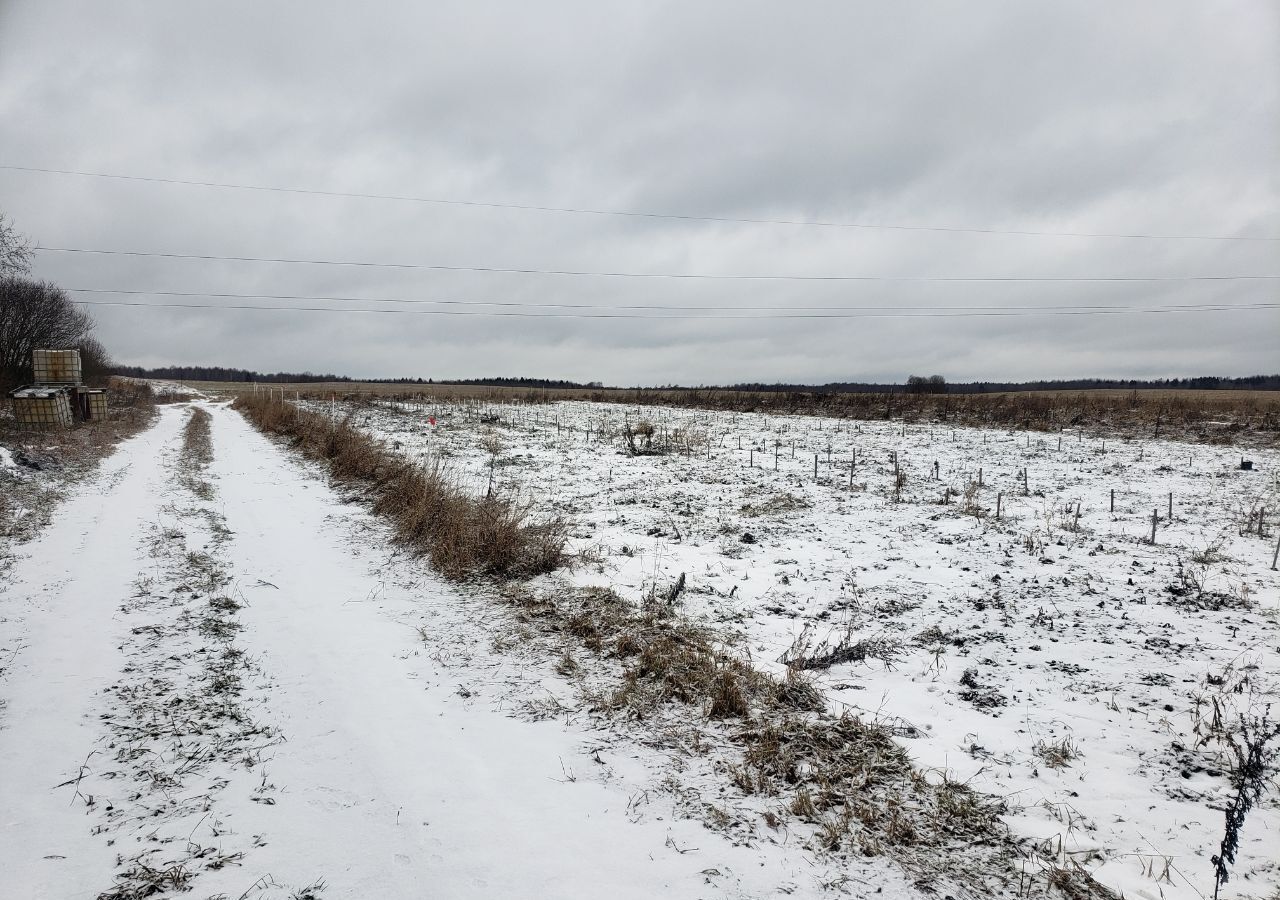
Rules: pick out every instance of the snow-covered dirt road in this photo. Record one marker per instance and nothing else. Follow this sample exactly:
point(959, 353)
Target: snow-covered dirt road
point(221, 678)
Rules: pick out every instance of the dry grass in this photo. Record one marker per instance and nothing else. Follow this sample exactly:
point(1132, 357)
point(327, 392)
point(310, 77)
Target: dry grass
point(197, 442)
point(1057, 754)
point(463, 536)
point(197, 452)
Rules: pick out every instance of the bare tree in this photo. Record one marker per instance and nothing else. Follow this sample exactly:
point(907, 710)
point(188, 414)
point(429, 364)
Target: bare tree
point(15, 249)
point(37, 315)
point(932, 384)
point(95, 363)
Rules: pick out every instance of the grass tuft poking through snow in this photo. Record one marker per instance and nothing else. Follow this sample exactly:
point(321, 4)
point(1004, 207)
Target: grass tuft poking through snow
point(464, 536)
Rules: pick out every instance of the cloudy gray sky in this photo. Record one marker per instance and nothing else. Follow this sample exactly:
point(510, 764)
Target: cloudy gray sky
point(1150, 118)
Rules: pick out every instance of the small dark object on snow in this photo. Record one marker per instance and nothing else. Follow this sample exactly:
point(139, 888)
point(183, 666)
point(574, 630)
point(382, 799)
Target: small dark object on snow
point(1246, 465)
point(747, 538)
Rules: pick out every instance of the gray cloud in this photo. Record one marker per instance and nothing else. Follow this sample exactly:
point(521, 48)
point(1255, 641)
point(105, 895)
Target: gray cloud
point(1152, 117)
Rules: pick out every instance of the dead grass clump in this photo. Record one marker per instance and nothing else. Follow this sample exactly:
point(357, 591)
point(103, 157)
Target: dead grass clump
point(774, 506)
point(838, 649)
point(798, 692)
point(463, 535)
point(852, 780)
point(144, 881)
point(638, 439)
point(1057, 754)
point(681, 665)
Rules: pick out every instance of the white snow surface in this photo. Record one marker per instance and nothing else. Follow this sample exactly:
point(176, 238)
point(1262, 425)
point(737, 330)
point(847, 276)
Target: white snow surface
point(370, 749)
point(1064, 620)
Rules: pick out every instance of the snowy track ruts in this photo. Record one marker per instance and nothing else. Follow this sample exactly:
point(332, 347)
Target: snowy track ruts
point(181, 731)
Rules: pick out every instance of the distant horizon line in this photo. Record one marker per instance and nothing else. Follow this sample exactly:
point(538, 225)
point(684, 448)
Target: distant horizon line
point(232, 375)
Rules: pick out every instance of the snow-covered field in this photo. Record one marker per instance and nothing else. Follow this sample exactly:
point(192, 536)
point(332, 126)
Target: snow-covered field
point(221, 675)
point(1051, 655)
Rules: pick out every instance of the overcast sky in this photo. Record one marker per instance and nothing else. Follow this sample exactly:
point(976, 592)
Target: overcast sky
point(1153, 118)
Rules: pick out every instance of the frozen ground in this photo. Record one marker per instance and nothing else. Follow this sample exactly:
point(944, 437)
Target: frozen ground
point(1052, 656)
point(222, 678)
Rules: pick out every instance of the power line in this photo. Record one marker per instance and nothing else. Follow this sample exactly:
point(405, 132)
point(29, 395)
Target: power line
point(950, 229)
point(664, 316)
point(626, 306)
point(984, 279)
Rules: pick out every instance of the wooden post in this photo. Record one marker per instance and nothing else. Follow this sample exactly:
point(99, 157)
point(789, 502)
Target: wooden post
point(1171, 506)
point(935, 470)
point(751, 458)
point(1275, 556)
point(979, 476)
point(850, 474)
point(1113, 499)
point(815, 467)
point(775, 456)
point(1155, 517)
point(739, 442)
point(999, 498)
point(1059, 442)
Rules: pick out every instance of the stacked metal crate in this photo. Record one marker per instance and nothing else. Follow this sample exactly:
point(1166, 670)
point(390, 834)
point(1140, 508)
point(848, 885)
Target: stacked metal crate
point(58, 397)
point(56, 367)
point(42, 408)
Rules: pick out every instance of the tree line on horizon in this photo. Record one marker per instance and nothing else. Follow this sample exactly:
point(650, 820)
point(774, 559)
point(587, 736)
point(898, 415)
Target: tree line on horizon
point(933, 384)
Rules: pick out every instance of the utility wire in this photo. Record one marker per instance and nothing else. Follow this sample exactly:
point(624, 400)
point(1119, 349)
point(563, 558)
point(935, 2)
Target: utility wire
point(952, 229)
point(678, 275)
point(644, 306)
point(581, 315)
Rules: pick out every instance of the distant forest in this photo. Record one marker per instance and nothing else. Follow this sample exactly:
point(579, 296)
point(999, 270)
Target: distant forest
point(938, 385)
